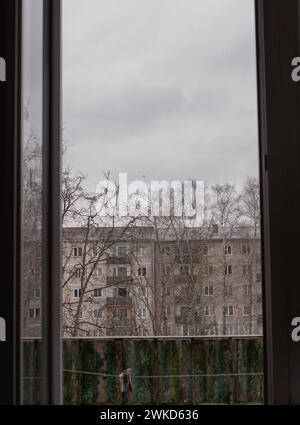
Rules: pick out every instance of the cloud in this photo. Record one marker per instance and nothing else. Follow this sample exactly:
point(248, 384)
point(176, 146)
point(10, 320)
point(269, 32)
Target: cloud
point(162, 88)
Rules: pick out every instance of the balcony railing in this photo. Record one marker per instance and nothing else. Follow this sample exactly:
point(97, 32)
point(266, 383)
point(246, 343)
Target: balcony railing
point(115, 280)
point(119, 301)
point(117, 259)
point(187, 258)
point(118, 322)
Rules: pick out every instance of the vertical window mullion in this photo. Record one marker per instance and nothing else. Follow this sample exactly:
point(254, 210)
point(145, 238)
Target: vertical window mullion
point(51, 290)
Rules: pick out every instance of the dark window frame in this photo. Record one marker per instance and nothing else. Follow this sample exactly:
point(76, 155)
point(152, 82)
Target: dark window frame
point(52, 240)
point(279, 99)
point(10, 171)
point(278, 26)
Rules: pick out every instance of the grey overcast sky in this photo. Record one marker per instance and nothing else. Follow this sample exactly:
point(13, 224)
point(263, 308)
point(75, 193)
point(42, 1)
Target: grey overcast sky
point(164, 89)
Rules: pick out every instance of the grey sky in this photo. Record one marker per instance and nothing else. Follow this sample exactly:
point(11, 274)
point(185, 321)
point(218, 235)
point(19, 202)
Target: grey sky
point(161, 88)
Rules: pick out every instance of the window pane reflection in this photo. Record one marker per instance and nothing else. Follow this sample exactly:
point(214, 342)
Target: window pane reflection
point(32, 197)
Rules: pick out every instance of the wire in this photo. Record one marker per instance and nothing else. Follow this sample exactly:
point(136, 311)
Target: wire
point(108, 375)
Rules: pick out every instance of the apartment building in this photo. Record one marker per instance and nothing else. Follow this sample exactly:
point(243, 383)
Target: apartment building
point(108, 282)
point(209, 283)
point(145, 281)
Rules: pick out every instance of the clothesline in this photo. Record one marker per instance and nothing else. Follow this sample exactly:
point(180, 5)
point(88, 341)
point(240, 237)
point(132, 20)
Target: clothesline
point(108, 375)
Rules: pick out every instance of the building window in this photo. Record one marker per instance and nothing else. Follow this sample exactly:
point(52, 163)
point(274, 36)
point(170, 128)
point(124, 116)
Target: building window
point(229, 330)
point(258, 277)
point(77, 272)
point(246, 249)
point(247, 310)
point(228, 291)
point(34, 313)
point(208, 250)
point(208, 290)
point(120, 312)
point(208, 270)
point(142, 331)
point(77, 251)
point(228, 270)
point(120, 250)
point(186, 291)
point(246, 269)
point(96, 251)
point(141, 291)
point(122, 271)
point(119, 271)
point(247, 329)
point(98, 332)
point(184, 270)
point(98, 272)
point(228, 310)
point(179, 330)
point(227, 250)
point(246, 290)
point(165, 250)
point(142, 313)
point(167, 310)
point(141, 251)
point(165, 291)
point(208, 310)
point(166, 270)
point(77, 293)
point(97, 313)
point(80, 314)
point(211, 330)
point(168, 330)
point(120, 292)
point(142, 271)
point(97, 293)
point(35, 293)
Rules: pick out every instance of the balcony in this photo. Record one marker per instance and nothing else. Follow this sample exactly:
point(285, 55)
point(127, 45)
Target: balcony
point(115, 280)
point(119, 301)
point(182, 319)
point(117, 259)
point(115, 323)
point(187, 258)
point(185, 278)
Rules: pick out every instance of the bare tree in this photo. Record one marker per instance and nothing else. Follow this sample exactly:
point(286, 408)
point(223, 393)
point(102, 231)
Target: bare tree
point(87, 247)
point(250, 208)
point(225, 214)
point(31, 225)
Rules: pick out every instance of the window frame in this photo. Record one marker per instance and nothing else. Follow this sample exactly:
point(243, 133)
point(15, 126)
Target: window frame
point(274, 54)
point(96, 290)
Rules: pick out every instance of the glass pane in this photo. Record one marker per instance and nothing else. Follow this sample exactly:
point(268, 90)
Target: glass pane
point(161, 205)
point(32, 72)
